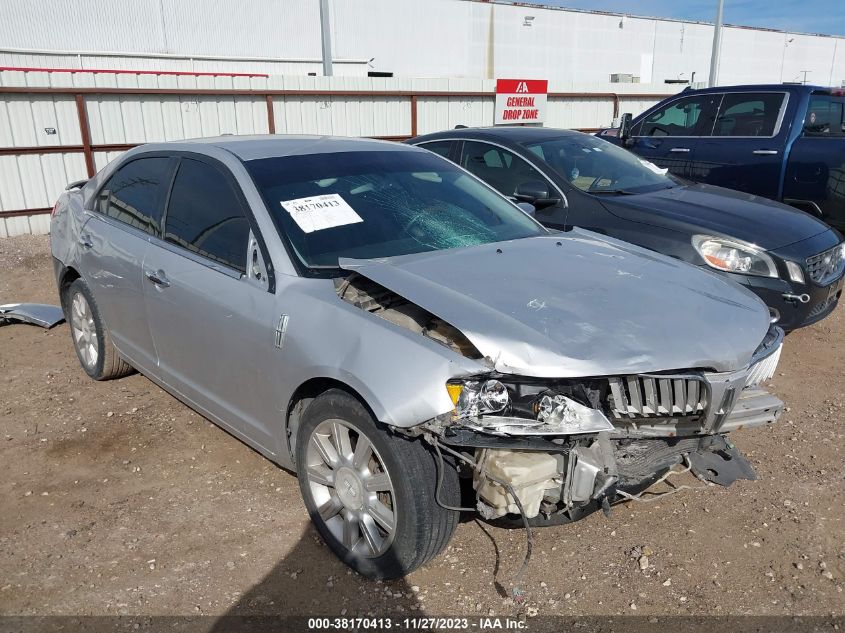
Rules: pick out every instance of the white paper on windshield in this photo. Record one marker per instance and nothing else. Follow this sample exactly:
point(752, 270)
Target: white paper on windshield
point(654, 168)
point(318, 213)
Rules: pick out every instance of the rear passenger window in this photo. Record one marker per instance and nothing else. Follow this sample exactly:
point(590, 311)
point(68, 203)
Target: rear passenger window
point(134, 194)
point(753, 114)
point(205, 216)
point(825, 116)
point(680, 118)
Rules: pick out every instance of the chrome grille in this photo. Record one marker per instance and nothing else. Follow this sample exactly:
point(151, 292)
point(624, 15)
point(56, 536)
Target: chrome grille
point(763, 370)
point(654, 396)
point(825, 267)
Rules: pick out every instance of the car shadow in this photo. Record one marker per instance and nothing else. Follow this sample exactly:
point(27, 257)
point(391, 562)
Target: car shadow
point(311, 582)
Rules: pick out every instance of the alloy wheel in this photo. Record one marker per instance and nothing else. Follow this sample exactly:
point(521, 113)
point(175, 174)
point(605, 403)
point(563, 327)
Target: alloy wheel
point(351, 488)
point(84, 331)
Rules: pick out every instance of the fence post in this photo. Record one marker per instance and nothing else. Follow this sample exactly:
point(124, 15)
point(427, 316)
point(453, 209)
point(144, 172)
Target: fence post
point(271, 117)
point(413, 115)
point(85, 133)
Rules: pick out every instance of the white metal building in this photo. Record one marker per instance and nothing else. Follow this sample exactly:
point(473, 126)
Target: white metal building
point(409, 38)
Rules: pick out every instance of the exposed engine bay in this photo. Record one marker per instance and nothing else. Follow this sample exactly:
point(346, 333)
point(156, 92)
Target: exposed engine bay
point(545, 447)
point(565, 445)
point(594, 473)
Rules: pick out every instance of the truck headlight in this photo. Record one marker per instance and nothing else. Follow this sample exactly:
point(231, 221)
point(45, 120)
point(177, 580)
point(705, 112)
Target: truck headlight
point(734, 256)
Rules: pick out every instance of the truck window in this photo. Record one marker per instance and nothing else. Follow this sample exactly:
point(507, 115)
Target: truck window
point(679, 118)
point(748, 114)
point(825, 116)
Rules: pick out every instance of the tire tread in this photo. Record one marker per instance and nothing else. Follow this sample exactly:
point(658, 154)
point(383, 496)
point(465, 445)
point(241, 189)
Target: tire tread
point(112, 365)
point(433, 525)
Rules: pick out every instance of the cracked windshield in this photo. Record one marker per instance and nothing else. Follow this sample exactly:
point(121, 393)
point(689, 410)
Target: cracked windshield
point(381, 204)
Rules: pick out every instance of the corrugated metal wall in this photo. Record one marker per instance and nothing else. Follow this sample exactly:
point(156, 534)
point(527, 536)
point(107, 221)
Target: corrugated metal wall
point(410, 38)
point(33, 180)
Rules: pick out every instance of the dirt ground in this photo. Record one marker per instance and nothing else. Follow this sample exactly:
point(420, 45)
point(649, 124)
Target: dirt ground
point(117, 499)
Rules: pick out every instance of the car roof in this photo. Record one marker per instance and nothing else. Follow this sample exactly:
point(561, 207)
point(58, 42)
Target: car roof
point(259, 146)
point(758, 88)
point(512, 133)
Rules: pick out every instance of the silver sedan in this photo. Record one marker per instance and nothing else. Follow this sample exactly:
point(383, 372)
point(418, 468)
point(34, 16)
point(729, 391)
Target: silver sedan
point(376, 319)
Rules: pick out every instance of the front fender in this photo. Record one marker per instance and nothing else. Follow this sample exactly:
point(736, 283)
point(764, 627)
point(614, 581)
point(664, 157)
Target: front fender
point(400, 374)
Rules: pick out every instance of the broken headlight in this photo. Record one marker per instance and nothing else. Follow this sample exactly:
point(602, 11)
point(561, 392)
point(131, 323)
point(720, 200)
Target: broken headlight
point(524, 409)
point(478, 397)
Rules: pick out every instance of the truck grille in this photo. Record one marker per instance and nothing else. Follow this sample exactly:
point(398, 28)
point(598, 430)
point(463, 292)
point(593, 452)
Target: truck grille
point(657, 396)
point(827, 266)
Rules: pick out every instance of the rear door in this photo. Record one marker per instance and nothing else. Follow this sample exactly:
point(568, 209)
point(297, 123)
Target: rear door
point(744, 148)
point(815, 173)
point(668, 137)
point(212, 318)
point(113, 244)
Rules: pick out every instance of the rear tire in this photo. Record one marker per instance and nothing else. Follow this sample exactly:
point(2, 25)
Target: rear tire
point(370, 492)
point(90, 336)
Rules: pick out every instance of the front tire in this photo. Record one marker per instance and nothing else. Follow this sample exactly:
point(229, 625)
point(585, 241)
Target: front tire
point(91, 340)
point(370, 492)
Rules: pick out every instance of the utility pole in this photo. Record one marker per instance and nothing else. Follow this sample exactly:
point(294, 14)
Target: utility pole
point(717, 45)
point(326, 32)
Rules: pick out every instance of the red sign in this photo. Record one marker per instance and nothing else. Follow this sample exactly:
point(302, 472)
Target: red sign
point(521, 101)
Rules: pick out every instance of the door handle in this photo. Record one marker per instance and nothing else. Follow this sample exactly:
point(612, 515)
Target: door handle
point(683, 150)
point(85, 241)
point(765, 152)
point(158, 278)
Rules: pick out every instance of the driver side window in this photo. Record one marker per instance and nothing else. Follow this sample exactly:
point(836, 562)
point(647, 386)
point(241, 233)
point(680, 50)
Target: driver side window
point(204, 216)
point(680, 118)
point(501, 169)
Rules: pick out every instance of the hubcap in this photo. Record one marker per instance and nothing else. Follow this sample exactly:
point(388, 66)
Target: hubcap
point(84, 330)
point(351, 488)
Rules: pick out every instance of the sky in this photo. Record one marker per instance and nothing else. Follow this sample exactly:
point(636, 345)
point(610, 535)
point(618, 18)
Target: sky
point(805, 16)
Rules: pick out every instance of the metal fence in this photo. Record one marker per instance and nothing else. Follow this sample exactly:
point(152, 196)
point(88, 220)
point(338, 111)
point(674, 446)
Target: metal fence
point(61, 126)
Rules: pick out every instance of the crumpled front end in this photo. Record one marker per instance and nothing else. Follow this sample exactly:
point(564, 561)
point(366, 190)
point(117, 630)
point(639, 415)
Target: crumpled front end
point(563, 445)
point(588, 409)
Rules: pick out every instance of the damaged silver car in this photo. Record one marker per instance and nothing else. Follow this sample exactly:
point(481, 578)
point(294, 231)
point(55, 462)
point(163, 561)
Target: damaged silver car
point(380, 321)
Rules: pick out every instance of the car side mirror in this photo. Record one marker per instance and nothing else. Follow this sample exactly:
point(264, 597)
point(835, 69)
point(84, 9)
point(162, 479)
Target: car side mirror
point(101, 200)
point(535, 193)
point(625, 126)
point(527, 208)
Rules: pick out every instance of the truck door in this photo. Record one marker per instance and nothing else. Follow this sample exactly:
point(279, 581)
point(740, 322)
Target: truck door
point(669, 135)
point(815, 171)
point(744, 149)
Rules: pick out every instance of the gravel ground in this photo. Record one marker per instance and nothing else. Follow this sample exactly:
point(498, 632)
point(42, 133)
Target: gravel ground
point(118, 499)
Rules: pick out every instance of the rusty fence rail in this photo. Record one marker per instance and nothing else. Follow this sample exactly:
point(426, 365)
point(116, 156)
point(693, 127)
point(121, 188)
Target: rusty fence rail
point(89, 148)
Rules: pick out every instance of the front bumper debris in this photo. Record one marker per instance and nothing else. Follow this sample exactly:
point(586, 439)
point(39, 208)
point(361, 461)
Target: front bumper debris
point(651, 424)
point(717, 460)
point(44, 315)
point(554, 475)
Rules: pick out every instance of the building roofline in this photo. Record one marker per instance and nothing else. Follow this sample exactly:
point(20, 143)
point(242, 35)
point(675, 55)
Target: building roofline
point(538, 5)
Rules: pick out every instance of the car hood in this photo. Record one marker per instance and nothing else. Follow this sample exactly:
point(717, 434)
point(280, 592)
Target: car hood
point(700, 208)
point(579, 304)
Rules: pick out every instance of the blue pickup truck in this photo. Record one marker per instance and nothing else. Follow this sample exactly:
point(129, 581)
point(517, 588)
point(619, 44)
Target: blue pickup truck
point(780, 141)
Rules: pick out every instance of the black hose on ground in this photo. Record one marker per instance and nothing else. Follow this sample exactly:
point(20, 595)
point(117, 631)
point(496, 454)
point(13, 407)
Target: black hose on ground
point(517, 592)
point(440, 467)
